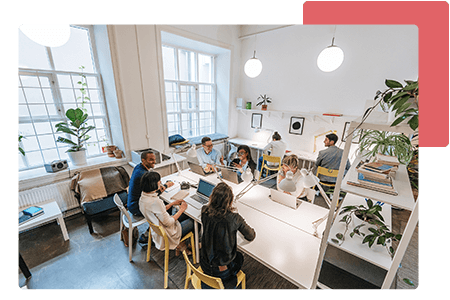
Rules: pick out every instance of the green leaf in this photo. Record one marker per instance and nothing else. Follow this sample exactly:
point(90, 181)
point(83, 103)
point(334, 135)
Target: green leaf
point(369, 203)
point(391, 250)
point(393, 84)
point(402, 108)
point(381, 240)
point(372, 240)
point(400, 101)
point(411, 86)
point(65, 141)
point(398, 237)
point(22, 151)
point(408, 281)
point(335, 241)
point(398, 121)
point(414, 122)
point(373, 230)
point(387, 97)
point(352, 234)
point(340, 236)
point(367, 238)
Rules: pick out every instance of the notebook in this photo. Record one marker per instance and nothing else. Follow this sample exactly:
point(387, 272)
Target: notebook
point(285, 199)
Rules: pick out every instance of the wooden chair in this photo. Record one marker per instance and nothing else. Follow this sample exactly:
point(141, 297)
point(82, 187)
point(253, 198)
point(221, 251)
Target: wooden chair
point(127, 221)
point(327, 172)
point(196, 277)
point(271, 159)
point(159, 230)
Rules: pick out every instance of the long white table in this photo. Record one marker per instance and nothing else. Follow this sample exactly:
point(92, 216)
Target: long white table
point(284, 236)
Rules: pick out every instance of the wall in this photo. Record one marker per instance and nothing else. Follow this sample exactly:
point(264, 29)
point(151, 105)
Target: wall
point(291, 77)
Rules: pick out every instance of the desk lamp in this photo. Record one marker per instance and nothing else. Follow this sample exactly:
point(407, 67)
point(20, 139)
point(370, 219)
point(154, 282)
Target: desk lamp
point(191, 153)
point(288, 184)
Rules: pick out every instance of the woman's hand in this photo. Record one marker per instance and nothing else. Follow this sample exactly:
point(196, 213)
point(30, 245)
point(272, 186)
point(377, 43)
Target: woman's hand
point(183, 205)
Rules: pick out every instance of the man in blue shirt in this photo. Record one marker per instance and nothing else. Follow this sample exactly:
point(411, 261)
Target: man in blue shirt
point(148, 160)
point(207, 156)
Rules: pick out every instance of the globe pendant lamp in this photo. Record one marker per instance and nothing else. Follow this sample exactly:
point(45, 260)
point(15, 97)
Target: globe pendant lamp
point(49, 35)
point(253, 66)
point(330, 58)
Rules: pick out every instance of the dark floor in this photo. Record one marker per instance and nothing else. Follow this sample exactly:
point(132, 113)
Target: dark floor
point(100, 261)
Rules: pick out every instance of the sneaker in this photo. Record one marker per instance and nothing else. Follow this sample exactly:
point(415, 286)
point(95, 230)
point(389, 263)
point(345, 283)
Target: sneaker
point(143, 240)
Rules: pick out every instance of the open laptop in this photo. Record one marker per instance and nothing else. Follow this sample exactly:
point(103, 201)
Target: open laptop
point(201, 197)
point(284, 198)
point(197, 169)
point(231, 175)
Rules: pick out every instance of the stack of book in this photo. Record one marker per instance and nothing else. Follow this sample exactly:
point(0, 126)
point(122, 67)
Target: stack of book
point(376, 176)
point(30, 213)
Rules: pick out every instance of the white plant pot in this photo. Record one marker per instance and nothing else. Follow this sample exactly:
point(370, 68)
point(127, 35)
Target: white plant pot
point(78, 158)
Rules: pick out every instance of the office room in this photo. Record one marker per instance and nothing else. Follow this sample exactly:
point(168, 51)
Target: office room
point(164, 88)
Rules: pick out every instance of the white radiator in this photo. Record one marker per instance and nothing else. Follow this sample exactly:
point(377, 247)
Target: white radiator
point(59, 192)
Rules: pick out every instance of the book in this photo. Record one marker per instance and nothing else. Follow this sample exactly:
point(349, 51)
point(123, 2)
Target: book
point(377, 183)
point(373, 174)
point(372, 177)
point(23, 217)
point(33, 211)
point(379, 167)
point(180, 195)
point(381, 190)
point(387, 159)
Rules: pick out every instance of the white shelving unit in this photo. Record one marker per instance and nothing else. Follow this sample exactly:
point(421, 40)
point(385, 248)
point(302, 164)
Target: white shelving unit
point(377, 255)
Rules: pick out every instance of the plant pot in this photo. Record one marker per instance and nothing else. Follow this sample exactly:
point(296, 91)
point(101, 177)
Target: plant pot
point(110, 149)
point(264, 107)
point(118, 153)
point(78, 158)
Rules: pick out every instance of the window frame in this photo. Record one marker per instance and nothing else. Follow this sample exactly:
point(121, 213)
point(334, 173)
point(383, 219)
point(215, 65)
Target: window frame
point(59, 104)
point(178, 83)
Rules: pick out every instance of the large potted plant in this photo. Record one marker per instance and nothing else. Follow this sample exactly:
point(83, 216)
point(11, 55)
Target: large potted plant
point(78, 128)
point(374, 141)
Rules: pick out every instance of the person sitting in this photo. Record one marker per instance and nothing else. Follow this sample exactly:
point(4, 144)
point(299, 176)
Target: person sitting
point(219, 256)
point(277, 148)
point(244, 160)
point(291, 163)
point(148, 161)
point(207, 156)
point(154, 210)
point(330, 158)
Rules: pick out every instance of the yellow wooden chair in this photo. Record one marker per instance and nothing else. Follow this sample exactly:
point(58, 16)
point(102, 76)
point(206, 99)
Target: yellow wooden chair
point(196, 276)
point(327, 172)
point(271, 159)
point(161, 232)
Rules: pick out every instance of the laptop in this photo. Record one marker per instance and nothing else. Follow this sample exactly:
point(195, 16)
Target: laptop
point(197, 169)
point(201, 197)
point(231, 175)
point(285, 199)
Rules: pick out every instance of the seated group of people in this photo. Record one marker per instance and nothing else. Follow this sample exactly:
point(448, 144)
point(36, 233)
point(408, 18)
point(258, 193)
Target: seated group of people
point(220, 221)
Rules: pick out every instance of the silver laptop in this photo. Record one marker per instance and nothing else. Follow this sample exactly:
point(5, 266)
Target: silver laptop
point(197, 169)
point(231, 175)
point(285, 199)
point(201, 197)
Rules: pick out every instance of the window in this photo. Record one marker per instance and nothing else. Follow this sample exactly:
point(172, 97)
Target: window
point(190, 91)
point(48, 86)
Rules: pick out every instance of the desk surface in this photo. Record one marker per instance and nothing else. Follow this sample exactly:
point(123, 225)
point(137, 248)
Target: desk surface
point(51, 212)
point(252, 144)
point(284, 240)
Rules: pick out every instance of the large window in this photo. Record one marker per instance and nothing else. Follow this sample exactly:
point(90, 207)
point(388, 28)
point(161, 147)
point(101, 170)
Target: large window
point(49, 84)
point(190, 91)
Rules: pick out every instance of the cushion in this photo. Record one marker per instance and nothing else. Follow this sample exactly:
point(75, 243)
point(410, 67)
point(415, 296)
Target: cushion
point(176, 138)
point(103, 204)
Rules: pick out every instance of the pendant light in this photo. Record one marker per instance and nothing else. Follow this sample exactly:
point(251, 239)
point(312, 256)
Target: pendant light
point(49, 35)
point(331, 57)
point(253, 66)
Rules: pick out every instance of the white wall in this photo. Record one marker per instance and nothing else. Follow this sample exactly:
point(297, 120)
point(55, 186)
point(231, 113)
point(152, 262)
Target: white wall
point(291, 77)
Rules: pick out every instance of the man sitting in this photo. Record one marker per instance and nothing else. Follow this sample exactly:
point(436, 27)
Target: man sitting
point(330, 158)
point(207, 156)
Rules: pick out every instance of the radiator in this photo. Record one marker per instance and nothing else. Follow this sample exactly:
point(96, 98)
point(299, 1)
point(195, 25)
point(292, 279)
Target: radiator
point(59, 192)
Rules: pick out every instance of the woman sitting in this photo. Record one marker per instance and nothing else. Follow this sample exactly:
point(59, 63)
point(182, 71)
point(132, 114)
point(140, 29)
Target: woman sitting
point(244, 160)
point(291, 163)
point(219, 256)
point(154, 210)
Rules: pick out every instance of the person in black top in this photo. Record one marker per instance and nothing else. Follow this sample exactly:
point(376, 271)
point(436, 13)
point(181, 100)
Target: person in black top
point(244, 160)
point(219, 256)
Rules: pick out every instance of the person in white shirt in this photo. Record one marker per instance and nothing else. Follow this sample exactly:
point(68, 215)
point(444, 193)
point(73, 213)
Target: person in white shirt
point(291, 163)
point(155, 211)
point(277, 148)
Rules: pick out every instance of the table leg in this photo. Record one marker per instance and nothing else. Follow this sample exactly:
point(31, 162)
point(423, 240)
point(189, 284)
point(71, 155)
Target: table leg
point(63, 228)
point(197, 250)
point(24, 268)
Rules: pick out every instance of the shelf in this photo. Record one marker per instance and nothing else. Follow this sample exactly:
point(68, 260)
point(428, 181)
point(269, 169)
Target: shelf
point(377, 254)
point(383, 126)
point(404, 199)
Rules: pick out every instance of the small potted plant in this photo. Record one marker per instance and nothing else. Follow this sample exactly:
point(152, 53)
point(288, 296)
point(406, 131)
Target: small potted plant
point(264, 100)
point(369, 215)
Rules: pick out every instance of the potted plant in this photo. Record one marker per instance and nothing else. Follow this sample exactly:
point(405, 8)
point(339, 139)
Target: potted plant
point(401, 100)
point(369, 215)
point(374, 141)
point(265, 99)
point(20, 148)
point(79, 128)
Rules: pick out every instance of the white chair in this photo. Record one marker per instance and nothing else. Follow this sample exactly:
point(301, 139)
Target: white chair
point(127, 220)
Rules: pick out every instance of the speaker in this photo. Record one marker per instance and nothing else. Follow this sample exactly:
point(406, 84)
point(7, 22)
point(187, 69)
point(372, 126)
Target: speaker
point(56, 165)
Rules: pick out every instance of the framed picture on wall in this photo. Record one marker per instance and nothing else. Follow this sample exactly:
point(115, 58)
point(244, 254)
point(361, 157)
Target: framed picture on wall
point(356, 135)
point(257, 120)
point(296, 126)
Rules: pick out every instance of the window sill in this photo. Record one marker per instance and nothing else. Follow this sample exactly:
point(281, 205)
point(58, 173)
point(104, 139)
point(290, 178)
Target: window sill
point(39, 177)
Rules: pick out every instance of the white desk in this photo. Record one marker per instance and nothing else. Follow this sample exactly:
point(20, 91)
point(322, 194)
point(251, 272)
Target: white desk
point(284, 240)
point(51, 212)
point(305, 156)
